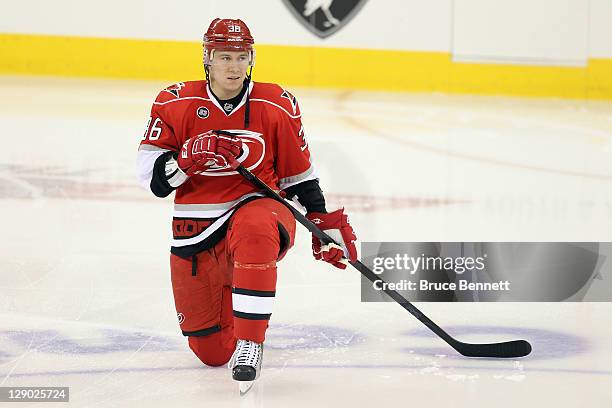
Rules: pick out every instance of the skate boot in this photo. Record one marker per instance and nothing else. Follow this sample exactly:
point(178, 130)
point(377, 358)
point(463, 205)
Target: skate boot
point(246, 360)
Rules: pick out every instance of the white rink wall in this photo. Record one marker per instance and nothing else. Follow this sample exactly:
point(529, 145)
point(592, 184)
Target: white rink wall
point(531, 31)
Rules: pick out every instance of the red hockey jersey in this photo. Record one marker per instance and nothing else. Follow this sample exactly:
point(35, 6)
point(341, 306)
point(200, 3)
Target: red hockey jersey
point(274, 149)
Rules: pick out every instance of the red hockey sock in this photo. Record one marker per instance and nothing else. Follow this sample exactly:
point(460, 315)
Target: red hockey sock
point(253, 292)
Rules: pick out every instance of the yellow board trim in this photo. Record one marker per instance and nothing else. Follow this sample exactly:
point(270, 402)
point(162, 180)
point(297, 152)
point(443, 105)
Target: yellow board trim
point(382, 70)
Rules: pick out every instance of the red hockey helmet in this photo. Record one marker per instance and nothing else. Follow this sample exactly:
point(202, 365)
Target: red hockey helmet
point(229, 35)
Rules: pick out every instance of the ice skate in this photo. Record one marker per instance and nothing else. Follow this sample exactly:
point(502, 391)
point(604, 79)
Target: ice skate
point(246, 363)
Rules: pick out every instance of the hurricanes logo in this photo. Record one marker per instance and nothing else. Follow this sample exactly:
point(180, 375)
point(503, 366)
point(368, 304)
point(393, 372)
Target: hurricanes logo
point(174, 89)
point(286, 94)
point(253, 151)
point(181, 317)
point(202, 112)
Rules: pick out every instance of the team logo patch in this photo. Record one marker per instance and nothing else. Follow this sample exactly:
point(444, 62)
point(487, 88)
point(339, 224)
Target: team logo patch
point(324, 17)
point(228, 107)
point(253, 151)
point(286, 94)
point(175, 89)
point(181, 318)
point(202, 112)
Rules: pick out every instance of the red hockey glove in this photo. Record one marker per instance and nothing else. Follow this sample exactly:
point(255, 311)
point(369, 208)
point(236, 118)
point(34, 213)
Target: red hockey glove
point(209, 149)
point(336, 225)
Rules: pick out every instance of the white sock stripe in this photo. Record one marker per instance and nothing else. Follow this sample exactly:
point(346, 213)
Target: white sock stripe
point(252, 304)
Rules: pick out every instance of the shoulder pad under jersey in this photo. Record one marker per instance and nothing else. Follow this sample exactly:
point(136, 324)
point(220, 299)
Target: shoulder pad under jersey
point(182, 90)
point(276, 95)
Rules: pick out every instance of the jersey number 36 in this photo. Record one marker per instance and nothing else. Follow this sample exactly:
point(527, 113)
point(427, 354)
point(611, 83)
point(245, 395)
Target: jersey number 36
point(152, 132)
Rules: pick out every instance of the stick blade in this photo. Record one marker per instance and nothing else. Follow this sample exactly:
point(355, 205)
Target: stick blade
point(507, 349)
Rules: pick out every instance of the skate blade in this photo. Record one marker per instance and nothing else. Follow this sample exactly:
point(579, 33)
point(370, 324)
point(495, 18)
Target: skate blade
point(244, 387)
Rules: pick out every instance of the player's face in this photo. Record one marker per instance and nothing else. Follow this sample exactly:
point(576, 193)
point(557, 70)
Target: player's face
point(227, 72)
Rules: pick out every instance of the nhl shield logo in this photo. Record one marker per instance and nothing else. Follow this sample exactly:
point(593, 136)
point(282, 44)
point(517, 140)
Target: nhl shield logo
point(324, 17)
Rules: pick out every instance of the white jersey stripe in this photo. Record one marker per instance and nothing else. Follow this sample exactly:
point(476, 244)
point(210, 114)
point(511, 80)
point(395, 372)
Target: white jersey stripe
point(209, 210)
point(309, 174)
point(151, 148)
point(223, 210)
point(214, 101)
point(278, 106)
point(181, 99)
point(204, 234)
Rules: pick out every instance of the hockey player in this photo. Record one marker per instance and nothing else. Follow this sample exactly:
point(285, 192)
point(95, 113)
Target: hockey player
point(228, 237)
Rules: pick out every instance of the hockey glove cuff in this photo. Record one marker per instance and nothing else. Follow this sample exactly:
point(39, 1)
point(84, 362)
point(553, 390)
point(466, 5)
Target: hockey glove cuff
point(337, 226)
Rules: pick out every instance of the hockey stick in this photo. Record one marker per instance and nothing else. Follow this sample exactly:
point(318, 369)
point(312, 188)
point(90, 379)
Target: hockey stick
point(507, 349)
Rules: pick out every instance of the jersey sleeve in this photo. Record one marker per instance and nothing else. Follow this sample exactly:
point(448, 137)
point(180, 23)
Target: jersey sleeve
point(156, 161)
point(293, 161)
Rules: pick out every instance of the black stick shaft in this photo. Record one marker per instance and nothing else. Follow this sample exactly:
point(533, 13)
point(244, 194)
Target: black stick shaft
point(517, 348)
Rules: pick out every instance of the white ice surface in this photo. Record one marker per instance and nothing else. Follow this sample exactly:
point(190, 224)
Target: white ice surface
point(85, 298)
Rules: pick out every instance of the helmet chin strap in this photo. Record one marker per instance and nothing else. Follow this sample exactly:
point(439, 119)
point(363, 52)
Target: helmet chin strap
point(247, 108)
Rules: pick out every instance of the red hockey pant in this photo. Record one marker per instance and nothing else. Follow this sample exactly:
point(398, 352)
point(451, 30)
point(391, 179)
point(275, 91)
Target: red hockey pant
point(227, 292)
